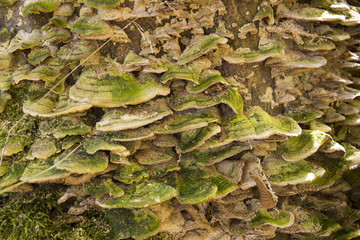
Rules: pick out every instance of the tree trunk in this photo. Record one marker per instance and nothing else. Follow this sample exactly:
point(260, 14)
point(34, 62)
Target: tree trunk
point(169, 120)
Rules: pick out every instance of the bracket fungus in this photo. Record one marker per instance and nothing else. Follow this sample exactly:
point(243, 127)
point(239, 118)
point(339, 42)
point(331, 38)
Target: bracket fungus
point(35, 168)
point(37, 6)
point(200, 47)
point(302, 146)
point(278, 218)
point(134, 116)
point(140, 195)
point(115, 90)
point(81, 162)
point(202, 119)
point(267, 48)
point(42, 148)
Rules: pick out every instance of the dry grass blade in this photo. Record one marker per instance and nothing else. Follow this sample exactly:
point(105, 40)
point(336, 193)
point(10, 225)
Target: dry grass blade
point(267, 198)
point(142, 32)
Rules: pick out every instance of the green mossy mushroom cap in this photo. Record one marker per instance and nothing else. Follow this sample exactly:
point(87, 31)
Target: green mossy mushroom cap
point(37, 6)
point(200, 47)
point(13, 174)
point(214, 155)
point(134, 117)
point(135, 223)
point(100, 187)
point(15, 144)
point(33, 172)
point(302, 146)
point(131, 173)
point(98, 142)
point(140, 195)
point(277, 218)
point(7, 2)
point(272, 48)
point(153, 156)
point(281, 172)
point(192, 139)
point(207, 79)
point(81, 162)
point(42, 149)
point(88, 25)
point(186, 120)
point(196, 192)
point(25, 40)
point(74, 50)
point(115, 90)
point(64, 126)
point(182, 100)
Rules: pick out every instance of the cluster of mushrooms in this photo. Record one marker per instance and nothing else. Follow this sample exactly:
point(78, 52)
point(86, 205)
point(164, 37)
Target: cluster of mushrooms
point(164, 141)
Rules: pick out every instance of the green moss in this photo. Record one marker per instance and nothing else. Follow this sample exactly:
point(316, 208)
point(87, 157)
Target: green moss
point(26, 128)
point(37, 215)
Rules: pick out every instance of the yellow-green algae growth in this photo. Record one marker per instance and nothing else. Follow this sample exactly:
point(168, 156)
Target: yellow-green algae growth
point(180, 119)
